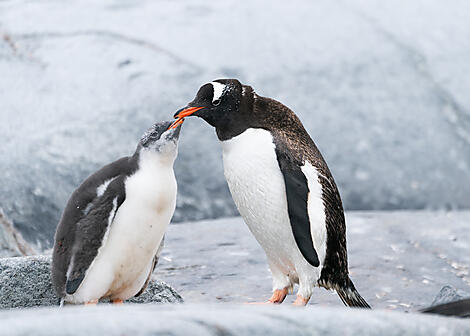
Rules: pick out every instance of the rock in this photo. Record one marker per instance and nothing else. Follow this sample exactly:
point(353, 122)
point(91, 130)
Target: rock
point(223, 319)
point(448, 294)
point(25, 282)
point(158, 291)
point(77, 92)
point(12, 243)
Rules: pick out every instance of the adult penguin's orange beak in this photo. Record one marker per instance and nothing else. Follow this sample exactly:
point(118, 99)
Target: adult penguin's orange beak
point(183, 113)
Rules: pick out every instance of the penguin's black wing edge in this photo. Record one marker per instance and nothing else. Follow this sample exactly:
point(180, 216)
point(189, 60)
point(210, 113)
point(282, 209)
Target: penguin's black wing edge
point(297, 204)
point(91, 232)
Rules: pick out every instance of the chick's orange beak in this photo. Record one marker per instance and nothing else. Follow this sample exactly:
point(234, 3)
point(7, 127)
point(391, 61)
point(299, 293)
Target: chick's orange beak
point(180, 115)
point(176, 123)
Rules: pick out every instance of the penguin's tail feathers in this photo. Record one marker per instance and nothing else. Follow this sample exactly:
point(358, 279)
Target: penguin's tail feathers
point(347, 293)
point(352, 298)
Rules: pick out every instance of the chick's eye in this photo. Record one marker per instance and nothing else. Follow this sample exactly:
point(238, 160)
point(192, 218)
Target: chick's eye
point(216, 102)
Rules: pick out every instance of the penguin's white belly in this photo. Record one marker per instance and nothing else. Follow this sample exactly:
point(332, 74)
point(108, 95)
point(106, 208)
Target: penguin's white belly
point(125, 259)
point(258, 190)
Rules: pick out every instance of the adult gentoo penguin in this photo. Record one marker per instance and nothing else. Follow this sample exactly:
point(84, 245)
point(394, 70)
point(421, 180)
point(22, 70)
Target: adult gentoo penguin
point(282, 188)
point(107, 241)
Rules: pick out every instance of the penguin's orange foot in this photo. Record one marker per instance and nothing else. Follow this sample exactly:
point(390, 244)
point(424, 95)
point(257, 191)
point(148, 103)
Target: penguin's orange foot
point(279, 295)
point(300, 301)
point(91, 303)
point(277, 298)
point(117, 301)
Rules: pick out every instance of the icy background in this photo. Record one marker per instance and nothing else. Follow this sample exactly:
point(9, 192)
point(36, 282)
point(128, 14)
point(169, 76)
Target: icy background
point(382, 87)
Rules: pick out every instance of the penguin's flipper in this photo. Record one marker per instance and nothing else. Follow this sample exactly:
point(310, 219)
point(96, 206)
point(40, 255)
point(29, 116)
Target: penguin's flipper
point(297, 204)
point(81, 200)
point(91, 233)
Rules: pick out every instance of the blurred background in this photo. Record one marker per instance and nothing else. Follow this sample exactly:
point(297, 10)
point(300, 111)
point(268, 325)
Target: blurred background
point(382, 87)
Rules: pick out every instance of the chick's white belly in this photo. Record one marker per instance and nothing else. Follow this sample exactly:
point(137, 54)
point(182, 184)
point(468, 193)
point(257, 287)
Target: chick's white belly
point(258, 190)
point(124, 261)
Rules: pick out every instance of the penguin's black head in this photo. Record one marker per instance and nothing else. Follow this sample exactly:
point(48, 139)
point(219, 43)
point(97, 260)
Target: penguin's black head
point(162, 137)
point(217, 102)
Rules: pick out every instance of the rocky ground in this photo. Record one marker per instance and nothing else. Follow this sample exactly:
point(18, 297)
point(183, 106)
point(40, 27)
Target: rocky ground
point(26, 282)
point(223, 320)
point(398, 260)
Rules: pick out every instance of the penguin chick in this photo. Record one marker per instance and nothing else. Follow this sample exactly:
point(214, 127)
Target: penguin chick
point(107, 241)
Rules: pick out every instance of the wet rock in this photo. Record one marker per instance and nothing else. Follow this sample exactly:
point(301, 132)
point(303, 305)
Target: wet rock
point(25, 282)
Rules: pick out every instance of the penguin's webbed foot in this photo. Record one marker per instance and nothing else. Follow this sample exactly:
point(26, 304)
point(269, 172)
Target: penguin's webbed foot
point(117, 301)
point(279, 295)
point(277, 298)
point(300, 301)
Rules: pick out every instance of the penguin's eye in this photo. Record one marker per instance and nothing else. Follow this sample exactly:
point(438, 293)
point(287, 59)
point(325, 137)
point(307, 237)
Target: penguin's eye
point(216, 102)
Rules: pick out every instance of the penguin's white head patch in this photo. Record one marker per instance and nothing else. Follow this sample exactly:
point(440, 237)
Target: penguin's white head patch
point(219, 89)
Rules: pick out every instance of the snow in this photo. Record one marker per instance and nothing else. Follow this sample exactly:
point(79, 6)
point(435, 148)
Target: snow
point(381, 87)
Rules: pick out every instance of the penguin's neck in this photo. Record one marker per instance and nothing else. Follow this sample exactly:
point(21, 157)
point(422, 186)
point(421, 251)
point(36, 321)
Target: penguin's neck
point(152, 160)
point(154, 181)
point(231, 131)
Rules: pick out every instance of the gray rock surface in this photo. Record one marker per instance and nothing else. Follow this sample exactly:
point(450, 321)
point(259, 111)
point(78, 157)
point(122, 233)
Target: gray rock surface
point(449, 294)
point(12, 243)
point(381, 87)
point(397, 260)
point(220, 320)
point(25, 282)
